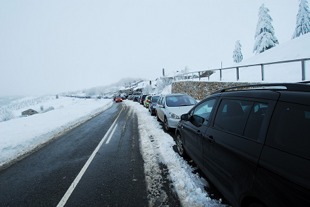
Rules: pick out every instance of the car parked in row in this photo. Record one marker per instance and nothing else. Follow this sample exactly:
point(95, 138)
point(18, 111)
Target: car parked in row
point(153, 104)
point(171, 107)
point(147, 101)
point(253, 143)
point(118, 99)
point(136, 98)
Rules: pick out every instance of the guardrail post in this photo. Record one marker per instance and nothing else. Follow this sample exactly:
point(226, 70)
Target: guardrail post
point(303, 70)
point(220, 74)
point(237, 71)
point(262, 71)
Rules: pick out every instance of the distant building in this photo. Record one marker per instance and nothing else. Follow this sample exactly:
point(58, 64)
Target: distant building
point(29, 112)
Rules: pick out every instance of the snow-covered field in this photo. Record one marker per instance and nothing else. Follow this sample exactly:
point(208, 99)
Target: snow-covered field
point(21, 135)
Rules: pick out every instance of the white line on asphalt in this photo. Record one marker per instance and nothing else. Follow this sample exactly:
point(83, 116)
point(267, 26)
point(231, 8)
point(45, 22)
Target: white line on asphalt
point(111, 134)
point(65, 198)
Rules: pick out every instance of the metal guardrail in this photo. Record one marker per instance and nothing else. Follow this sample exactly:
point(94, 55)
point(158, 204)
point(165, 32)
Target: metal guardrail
point(208, 73)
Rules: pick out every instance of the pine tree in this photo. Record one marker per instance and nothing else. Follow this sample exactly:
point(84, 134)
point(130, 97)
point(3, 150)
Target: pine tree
point(264, 36)
point(237, 54)
point(302, 20)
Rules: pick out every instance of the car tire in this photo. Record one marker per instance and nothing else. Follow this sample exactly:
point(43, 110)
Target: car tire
point(166, 126)
point(180, 147)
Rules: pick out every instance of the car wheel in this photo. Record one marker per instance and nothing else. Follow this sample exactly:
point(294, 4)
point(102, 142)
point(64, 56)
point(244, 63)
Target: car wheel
point(166, 126)
point(180, 147)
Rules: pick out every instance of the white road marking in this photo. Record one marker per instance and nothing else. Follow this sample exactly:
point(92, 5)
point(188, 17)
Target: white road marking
point(65, 198)
point(111, 134)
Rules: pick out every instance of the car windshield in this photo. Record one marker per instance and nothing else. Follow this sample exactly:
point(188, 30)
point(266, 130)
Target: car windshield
point(177, 101)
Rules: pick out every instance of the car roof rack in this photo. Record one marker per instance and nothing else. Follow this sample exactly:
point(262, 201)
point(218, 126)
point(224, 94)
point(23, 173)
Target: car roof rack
point(304, 82)
point(299, 86)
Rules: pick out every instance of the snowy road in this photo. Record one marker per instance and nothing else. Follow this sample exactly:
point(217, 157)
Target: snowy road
point(65, 173)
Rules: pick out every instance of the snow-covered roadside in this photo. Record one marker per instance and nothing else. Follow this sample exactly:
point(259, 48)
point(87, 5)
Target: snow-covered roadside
point(157, 147)
point(23, 135)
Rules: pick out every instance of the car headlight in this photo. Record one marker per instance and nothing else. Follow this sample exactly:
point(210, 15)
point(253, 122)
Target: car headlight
point(174, 116)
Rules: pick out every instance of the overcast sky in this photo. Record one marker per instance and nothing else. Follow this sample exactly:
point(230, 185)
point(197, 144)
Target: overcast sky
point(63, 45)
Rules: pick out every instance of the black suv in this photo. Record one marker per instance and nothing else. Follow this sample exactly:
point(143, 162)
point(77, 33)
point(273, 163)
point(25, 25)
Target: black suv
point(253, 143)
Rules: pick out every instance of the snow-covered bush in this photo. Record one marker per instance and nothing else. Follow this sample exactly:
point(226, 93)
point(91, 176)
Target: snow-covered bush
point(6, 115)
point(49, 109)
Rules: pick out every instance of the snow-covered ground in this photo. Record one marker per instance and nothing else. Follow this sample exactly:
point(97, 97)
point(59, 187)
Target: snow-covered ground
point(21, 135)
point(157, 147)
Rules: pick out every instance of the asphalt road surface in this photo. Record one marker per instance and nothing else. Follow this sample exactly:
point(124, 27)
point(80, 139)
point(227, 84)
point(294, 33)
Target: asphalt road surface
point(96, 164)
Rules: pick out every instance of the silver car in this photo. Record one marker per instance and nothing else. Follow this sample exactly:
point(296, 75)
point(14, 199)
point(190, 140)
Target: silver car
point(171, 107)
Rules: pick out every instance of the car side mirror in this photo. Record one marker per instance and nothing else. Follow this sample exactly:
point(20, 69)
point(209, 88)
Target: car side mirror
point(184, 117)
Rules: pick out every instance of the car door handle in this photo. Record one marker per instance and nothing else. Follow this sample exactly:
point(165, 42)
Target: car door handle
point(210, 138)
point(198, 132)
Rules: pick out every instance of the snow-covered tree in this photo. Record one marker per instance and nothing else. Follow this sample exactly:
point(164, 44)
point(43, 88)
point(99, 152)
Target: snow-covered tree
point(264, 36)
point(302, 20)
point(237, 54)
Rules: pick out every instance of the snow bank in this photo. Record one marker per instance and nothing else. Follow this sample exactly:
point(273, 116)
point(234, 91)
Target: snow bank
point(157, 147)
point(19, 136)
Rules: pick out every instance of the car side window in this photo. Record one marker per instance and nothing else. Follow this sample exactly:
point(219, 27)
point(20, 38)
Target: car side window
point(255, 121)
point(232, 115)
point(204, 109)
point(160, 101)
point(290, 129)
point(163, 101)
